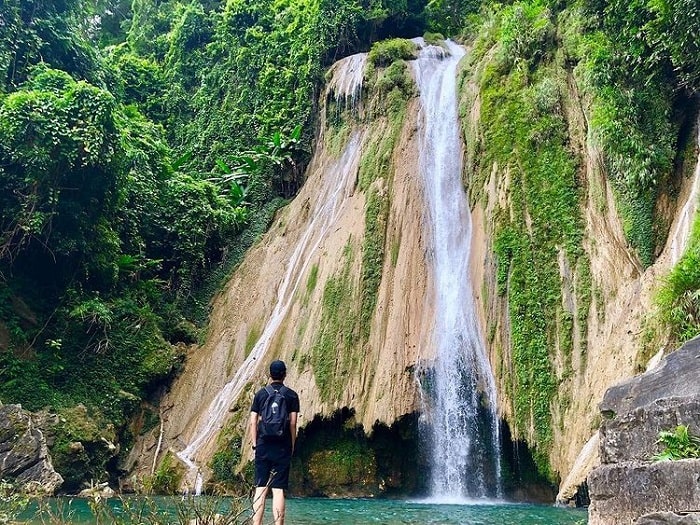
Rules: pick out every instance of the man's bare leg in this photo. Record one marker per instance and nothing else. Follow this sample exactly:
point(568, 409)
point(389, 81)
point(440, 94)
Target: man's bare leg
point(259, 504)
point(278, 506)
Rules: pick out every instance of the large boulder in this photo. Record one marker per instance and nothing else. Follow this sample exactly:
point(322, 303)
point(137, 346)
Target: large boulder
point(24, 455)
point(629, 484)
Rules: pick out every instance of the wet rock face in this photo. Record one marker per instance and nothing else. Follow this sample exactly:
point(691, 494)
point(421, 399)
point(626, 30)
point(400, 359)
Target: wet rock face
point(24, 456)
point(629, 484)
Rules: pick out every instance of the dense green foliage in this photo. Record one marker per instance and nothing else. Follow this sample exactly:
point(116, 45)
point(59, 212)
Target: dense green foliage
point(525, 133)
point(145, 144)
point(96, 227)
point(678, 300)
point(384, 53)
point(225, 461)
point(47, 31)
point(628, 65)
point(12, 503)
point(258, 62)
point(167, 477)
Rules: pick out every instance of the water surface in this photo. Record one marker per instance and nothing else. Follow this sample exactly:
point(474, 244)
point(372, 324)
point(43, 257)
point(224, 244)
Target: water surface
point(394, 512)
point(311, 511)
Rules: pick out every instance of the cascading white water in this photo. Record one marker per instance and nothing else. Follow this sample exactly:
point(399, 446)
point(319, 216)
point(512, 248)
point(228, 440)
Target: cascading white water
point(346, 82)
point(684, 224)
point(464, 432)
point(334, 188)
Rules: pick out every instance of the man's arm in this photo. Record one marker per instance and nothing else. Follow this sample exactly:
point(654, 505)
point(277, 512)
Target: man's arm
point(254, 428)
point(293, 428)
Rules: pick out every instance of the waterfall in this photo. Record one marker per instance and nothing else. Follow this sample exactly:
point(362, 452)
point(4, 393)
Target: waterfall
point(336, 183)
point(684, 224)
point(346, 82)
point(461, 392)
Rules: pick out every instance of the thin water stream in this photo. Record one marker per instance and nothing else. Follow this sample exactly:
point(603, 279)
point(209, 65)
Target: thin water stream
point(462, 394)
point(684, 223)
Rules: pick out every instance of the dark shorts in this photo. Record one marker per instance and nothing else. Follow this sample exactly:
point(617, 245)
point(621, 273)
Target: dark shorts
point(273, 471)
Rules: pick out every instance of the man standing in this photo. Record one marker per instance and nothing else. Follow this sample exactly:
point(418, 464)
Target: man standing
point(273, 429)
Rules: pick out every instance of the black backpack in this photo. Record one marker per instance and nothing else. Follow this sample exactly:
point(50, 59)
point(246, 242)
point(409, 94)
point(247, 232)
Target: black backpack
point(274, 417)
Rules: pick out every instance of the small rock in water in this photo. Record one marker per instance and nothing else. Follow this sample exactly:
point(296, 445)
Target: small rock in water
point(103, 490)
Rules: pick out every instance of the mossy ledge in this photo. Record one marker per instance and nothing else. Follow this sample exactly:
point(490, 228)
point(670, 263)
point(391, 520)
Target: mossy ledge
point(336, 457)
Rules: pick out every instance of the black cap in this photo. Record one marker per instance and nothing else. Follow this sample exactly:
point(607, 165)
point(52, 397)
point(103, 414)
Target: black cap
point(278, 369)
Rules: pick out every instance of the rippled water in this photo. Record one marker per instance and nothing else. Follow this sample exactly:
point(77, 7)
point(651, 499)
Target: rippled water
point(309, 511)
point(391, 512)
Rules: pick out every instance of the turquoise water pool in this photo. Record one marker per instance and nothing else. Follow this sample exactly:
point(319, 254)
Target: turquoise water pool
point(391, 512)
point(310, 511)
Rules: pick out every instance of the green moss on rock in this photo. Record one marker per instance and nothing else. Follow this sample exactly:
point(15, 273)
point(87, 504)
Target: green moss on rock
point(385, 52)
point(522, 131)
point(82, 446)
point(168, 476)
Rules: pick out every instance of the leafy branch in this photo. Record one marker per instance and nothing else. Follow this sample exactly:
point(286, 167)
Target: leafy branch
point(275, 152)
point(678, 444)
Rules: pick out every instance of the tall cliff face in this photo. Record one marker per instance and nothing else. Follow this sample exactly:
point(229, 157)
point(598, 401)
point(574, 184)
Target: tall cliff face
point(566, 310)
point(337, 287)
point(340, 287)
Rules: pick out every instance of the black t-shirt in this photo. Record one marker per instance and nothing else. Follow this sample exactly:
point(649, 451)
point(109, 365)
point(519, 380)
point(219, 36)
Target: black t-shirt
point(284, 445)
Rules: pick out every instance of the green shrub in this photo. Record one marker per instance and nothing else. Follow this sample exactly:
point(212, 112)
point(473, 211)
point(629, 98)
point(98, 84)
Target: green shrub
point(678, 444)
point(225, 463)
point(525, 31)
point(395, 76)
point(385, 52)
point(433, 39)
point(12, 503)
point(168, 476)
point(678, 299)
